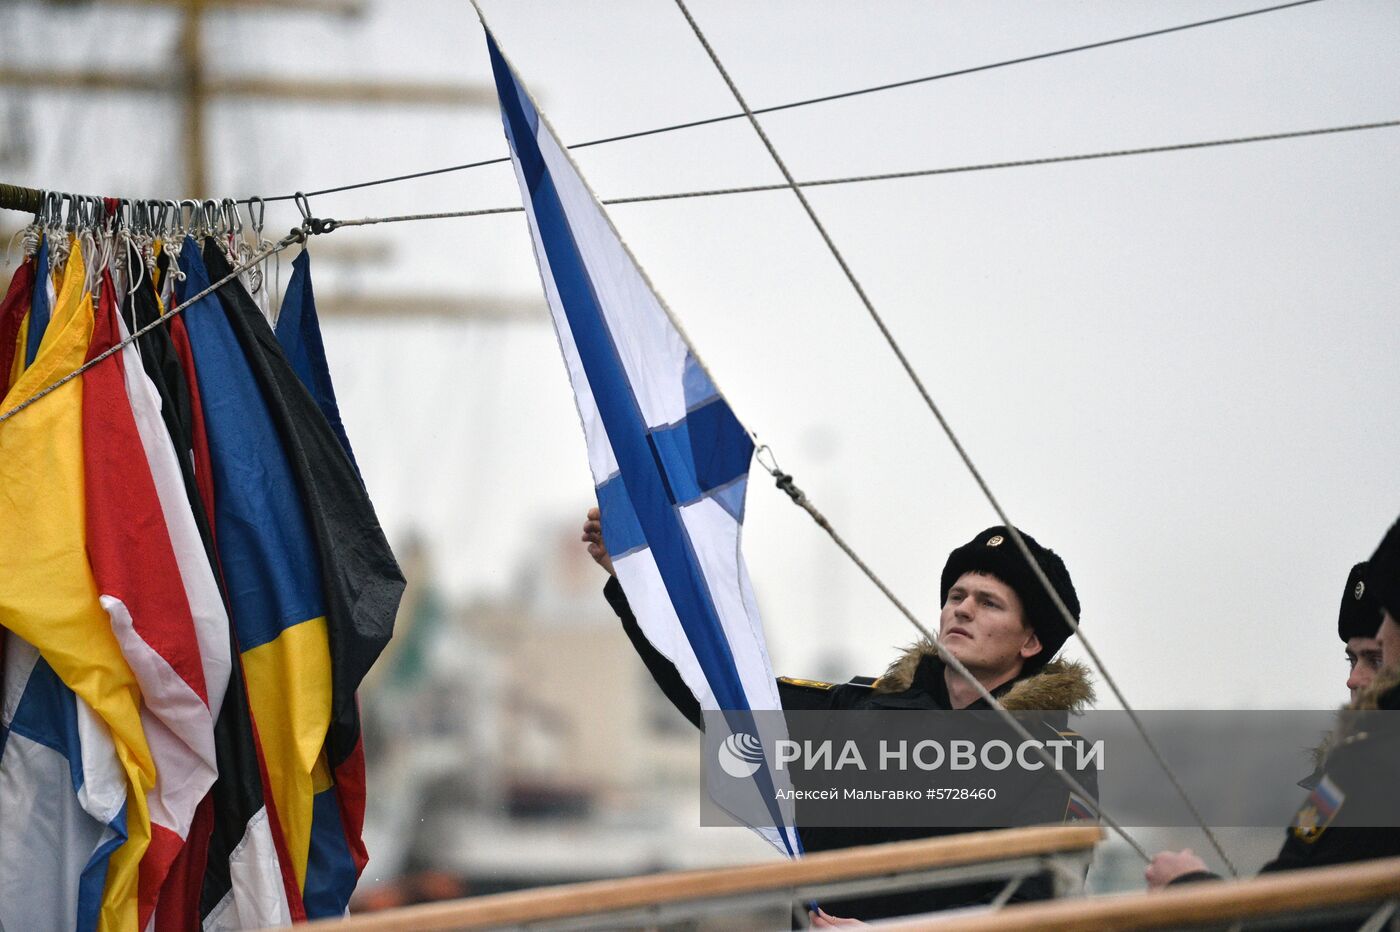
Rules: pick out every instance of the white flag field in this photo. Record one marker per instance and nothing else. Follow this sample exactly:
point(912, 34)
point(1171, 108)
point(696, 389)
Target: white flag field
point(670, 461)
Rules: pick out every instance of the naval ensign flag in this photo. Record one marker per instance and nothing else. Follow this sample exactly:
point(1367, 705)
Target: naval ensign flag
point(669, 459)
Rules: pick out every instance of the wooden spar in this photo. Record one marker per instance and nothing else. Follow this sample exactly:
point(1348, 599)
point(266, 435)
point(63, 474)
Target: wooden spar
point(656, 890)
point(1206, 903)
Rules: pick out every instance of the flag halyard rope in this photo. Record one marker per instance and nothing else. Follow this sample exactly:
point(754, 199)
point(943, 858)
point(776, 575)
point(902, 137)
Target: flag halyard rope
point(894, 176)
point(827, 98)
point(798, 497)
point(297, 235)
point(952, 436)
point(785, 482)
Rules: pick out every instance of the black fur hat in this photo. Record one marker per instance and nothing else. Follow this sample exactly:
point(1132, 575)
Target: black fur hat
point(1360, 614)
point(994, 552)
point(1383, 572)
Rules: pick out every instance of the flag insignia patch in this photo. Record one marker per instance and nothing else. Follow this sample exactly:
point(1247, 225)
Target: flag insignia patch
point(1080, 810)
point(1318, 811)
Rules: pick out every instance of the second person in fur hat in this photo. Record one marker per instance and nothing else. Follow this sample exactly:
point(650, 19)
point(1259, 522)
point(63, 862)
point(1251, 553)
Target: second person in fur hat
point(1361, 769)
point(1358, 623)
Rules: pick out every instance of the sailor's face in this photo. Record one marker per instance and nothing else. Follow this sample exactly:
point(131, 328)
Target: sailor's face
point(984, 625)
point(1389, 636)
point(1365, 659)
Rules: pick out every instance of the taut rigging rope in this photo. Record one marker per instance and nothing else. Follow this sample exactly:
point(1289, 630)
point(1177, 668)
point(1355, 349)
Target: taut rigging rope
point(791, 105)
point(888, 176)
point(296, 236)
point(797, 496)
point(953, 438)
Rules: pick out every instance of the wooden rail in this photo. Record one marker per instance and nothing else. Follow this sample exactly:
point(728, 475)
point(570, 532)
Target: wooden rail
point(631, 893)
point(1287, 893)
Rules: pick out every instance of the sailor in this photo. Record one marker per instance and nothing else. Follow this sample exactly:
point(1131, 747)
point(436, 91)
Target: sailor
point(1357, 624)
point(1352, 812)
point(999, 621)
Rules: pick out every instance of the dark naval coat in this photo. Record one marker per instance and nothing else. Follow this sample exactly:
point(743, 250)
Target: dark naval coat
point(914, 681)
point(1359, 773)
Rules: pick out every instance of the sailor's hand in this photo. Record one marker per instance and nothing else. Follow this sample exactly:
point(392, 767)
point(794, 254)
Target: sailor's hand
point(821, 919)
point(1167, 866)
point(593, 537)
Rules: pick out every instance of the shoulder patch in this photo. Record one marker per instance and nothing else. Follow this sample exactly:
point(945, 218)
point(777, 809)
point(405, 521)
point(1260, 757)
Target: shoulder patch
point(804, 684)
point(1318, 811)
point(1080, 810)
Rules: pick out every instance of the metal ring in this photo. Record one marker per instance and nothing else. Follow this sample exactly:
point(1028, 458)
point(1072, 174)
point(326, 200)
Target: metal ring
point(187, 225)
point(173, 218)
point(256, 220)
point(160, 216)
point(209, 212)
point(87, 211)
point(758, 452)
point(231, 216)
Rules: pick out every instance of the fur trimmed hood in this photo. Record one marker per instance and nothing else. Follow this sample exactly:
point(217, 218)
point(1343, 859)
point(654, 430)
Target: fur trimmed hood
point(1370, 699)
point(1385, 683)
point(1060, 686)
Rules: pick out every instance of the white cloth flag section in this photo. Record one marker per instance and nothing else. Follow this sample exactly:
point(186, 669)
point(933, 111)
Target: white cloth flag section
point(669, 459)
point(62, 798)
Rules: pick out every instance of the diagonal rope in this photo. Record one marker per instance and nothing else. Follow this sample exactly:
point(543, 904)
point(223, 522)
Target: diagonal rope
point(797, 496)
point(296, 236)
point(330, 225)
point(1012, 530)
point(785, 482)
point(886, 176)
point(791, 105)
point(1040, 56)
point(1017, 163)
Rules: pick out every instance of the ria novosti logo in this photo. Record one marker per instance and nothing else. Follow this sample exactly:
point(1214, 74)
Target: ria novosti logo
point(740, 755)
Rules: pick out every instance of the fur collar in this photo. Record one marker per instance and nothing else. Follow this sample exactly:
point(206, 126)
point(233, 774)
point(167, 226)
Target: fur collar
point(1374, 697)
point(1061, 685)
point(1381, 694)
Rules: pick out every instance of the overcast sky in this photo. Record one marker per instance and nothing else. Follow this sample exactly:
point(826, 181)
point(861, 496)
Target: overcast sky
point(1179, 371)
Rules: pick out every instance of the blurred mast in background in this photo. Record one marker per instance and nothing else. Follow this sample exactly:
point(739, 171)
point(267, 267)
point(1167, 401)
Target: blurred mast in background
point(196, 87)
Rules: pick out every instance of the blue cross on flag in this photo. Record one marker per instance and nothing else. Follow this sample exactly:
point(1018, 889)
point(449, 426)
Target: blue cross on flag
point(669, 459)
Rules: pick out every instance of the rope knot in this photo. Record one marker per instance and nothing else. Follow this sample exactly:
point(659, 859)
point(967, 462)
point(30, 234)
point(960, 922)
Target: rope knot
point(314, 226)
point(786, 483)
